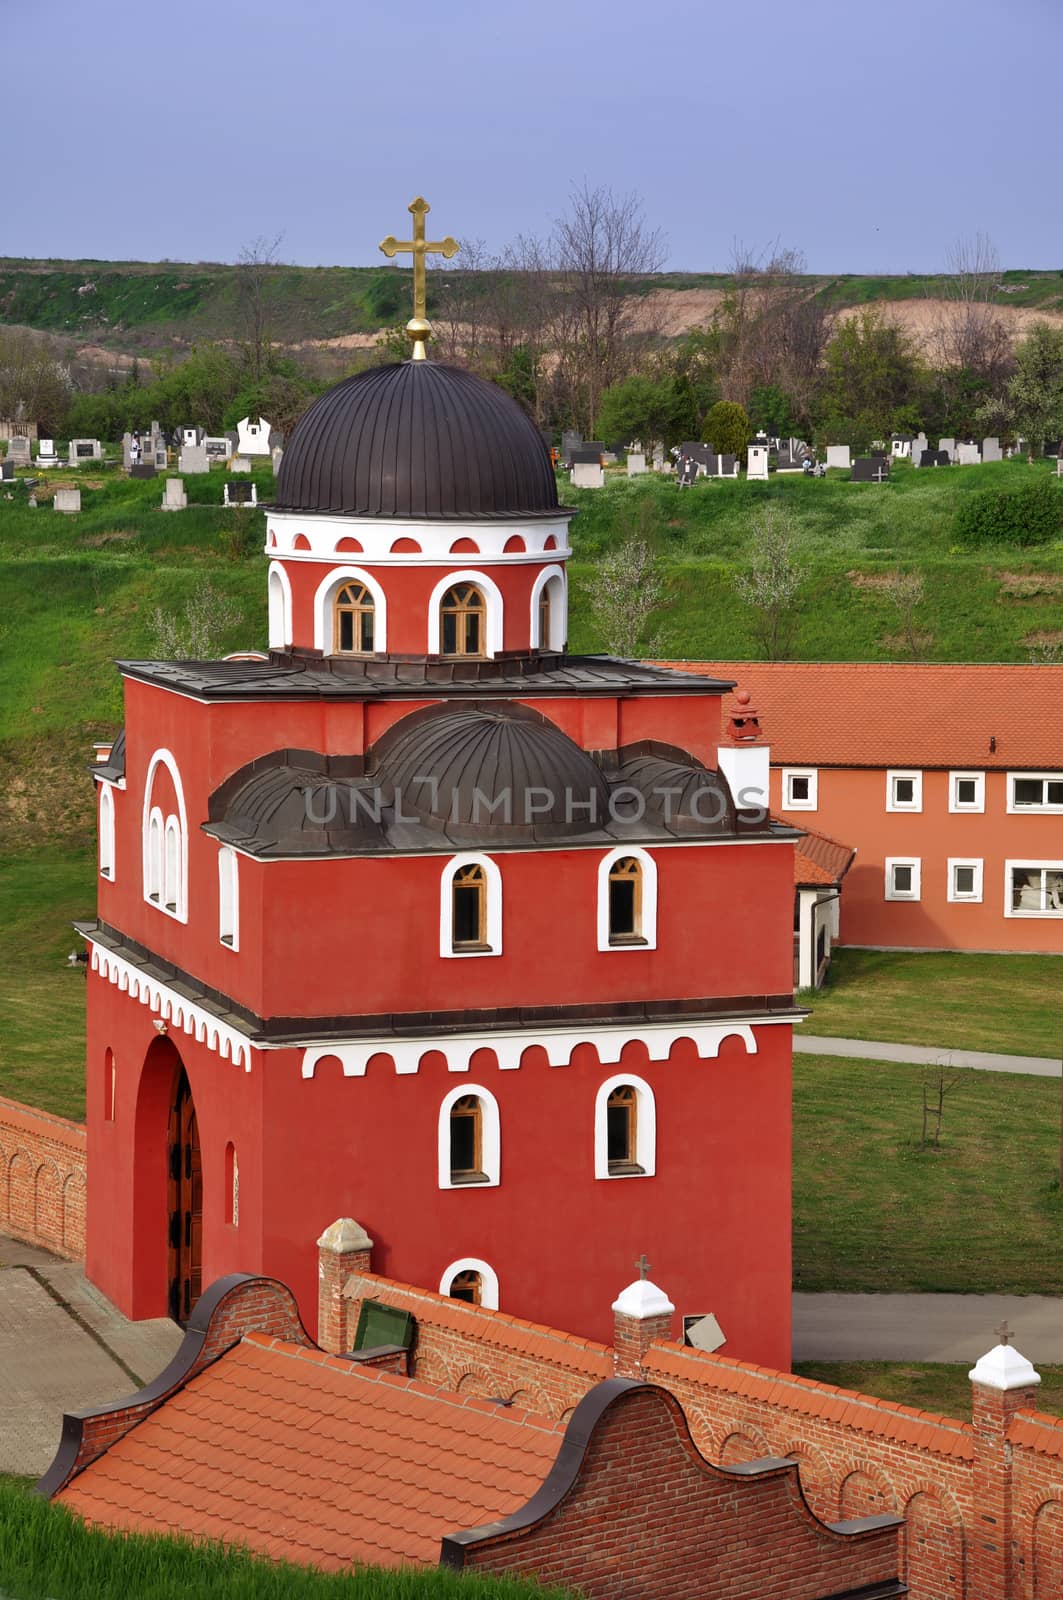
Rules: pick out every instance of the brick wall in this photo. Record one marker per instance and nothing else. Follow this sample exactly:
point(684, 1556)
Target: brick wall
point(42, 1179)
point(647, 1516)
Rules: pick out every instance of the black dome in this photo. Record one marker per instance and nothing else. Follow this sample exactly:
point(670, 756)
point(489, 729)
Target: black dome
point(494, 773)
point(417, 440)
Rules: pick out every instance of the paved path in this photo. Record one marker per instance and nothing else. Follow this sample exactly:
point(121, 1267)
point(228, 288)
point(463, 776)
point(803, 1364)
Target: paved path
point(924, 1327)
point(918, 1055)
point(63, 1346)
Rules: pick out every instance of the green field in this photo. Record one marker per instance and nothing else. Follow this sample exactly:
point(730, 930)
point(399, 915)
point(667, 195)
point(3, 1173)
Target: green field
point(1007, 1003)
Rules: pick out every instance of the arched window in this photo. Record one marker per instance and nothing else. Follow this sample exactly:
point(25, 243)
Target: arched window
point(463, 621)
point(544, 617)
point(625, 1129)
point(469, 1150)
point(153, 885)
point(171, 883)
point(472, 1281)
point(470, 919)
point(228, 898)
point(354, 619)
point(627, 901)
point(110, 1085)
point(232, 1187)
point(106, 829)
point(279, 592)
point(549, 620)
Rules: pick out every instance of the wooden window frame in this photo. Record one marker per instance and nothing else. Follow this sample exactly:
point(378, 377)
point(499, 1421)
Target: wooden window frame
point(617, 875)
point(471, 1279)
point(471, 1106)
point(472, 874)
point(626, 1095)
point(358, 606)
point(461, 610)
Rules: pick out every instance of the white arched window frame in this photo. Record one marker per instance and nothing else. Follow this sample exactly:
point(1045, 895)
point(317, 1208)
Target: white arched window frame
point(279, 589)
point(106, 831)
point(228, 898)
point(325, 601)
point(493, 941)
point(153, 857)
point(645, 1127)
point(493, 609)
point(648, 925)
point(488, 1280)
point(155, 887)
point(552, 579)
point(173, 867)
point(490, 1137)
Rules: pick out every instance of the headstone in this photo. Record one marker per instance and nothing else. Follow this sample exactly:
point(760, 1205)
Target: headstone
point(658, 458)
point(193, 458)
point(967, 454)
point(239, 463)
point(1059, 467)
point(20, 449)
point(949, 445)
point(190, 436)
point(757, 461)
point(838, 456)
point(901, 446)
point(7, 471)
point(143, 469)
point(278, 457)
point(688, 470)
point(571, 440)
point(792, 456)
point(942, 458)
point(253, 436)
point(46, 456)
point(727, 466)
point(636, 463)
point(174, 497)
point(587, 474)
point(219, 448)
point(991, 450)
point(870, 469)
point(84, 450)
point(927, 458)
point(919, 444)
point(68, 500)
point(241, 494)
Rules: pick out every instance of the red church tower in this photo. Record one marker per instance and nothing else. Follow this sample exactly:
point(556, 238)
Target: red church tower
point(426, 922)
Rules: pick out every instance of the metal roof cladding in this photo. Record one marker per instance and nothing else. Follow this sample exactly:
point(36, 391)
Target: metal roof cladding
point(419, 441)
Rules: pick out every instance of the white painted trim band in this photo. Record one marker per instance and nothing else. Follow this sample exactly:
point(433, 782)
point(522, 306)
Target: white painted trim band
point(170, 1006)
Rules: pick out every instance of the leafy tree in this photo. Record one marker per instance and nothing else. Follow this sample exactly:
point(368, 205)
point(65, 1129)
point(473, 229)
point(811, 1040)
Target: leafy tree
point(197, 633)
point(648, 409)
point(519, 377)
point(1027, 516)
point(626, 591)
point(871, 372)
point(726, 428)
point(1032, 402)
point(771, 581)
point(770, 411)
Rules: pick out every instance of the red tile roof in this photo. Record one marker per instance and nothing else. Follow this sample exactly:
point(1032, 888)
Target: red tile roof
point(309, 1458)
point(808, 1398)
point(821, 861)
point(1038, 1431)
point(495, 1328)
point(900, 714)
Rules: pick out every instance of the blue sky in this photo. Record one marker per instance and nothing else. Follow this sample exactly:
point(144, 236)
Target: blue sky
point(868, 136)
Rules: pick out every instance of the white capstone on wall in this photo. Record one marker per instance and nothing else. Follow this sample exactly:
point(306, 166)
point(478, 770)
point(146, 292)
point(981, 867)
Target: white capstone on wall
point(1004, 1368)
point(643, 1299)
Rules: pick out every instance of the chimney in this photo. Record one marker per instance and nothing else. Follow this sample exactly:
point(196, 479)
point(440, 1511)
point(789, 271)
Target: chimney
point(343, 1248)
point(1003, 1382)
point(743, 756)
point(101, 751)
point(642, 1315)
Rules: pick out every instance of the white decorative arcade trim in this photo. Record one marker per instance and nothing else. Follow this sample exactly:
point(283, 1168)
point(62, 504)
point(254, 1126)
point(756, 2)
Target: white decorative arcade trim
point(508, 1048)
point(325, 603)
point(172, 1008)
point(321, 535)
point(492, 594)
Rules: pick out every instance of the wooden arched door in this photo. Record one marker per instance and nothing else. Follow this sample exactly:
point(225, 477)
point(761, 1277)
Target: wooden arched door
point(184, 1203)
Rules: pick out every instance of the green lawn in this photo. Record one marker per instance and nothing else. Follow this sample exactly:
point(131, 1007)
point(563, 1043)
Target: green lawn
point(943, 1388)
point(873, 1212)
point(1007, 1003)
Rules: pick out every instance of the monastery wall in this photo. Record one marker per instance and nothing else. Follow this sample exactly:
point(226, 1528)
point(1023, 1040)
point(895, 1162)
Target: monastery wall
point(42, 1179)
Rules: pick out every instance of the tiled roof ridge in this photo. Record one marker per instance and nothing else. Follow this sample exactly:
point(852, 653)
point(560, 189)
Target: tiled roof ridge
point(359, 1370)
point(870, 666)
point(1037, 1430)
point(928, 1429)
point(584, 1355)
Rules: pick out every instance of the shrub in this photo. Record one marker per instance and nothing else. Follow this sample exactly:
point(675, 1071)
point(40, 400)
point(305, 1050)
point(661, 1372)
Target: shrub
point(1026, 516)
point(727, 428)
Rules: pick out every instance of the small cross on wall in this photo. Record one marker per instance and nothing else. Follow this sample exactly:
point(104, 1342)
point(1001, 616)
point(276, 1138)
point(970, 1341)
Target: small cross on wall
point(1004, 1333)
point(642, 1266)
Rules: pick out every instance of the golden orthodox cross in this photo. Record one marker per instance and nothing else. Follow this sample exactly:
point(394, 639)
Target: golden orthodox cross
point(418, 327)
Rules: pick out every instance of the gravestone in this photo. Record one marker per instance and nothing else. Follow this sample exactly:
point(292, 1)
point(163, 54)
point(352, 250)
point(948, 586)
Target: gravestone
point(636, 463)
point(967, 454)
point(870, 469)
point(571, 440)
point(68, 500)
point(7, 471)
point(727, 466)
point(901, 446)
point(991, 450)
point(587, 475)
point(84, 450)
point(218, 448)
point(241, 494)
point(757, 461)
point(253, 436)
point(1059, 467)
point(143, 469)
point(838, 456)
point(927, 458)
point(949, 445)
point(20, 449)
point(190, 436)
point(688, 470)
point(278, 457)
point(919, 444)
point(193, 458)
point(658, 457)
point(46, 456)
point(942, 458)
point(239, 463)
point(174, 497)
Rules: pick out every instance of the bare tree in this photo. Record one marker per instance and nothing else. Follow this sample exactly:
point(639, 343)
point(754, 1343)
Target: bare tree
point(770, 583)
point(938, 1082)
point(773, 327)
point(255, 283)
point(600, 248)
point(627, 590)
point(197, 633)
point(907, 591)
point(971, 334)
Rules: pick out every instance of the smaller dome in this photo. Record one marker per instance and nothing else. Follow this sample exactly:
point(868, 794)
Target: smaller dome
point(493, 774)
point(682, 796)
point(291, 810)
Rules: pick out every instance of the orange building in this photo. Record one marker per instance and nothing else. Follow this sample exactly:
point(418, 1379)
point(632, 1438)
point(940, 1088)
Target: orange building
point(947, 780)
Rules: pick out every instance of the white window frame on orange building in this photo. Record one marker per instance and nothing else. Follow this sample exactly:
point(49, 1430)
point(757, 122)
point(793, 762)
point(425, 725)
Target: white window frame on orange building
point(957, 896)
point(1044, 807)
point(788, 802)
point(971, 806)
point(1044, 866)
point(916, 891)
point(902, 773)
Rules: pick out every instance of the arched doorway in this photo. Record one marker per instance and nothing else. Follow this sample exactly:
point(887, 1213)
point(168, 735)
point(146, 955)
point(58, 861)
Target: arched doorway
point(184, 1203)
